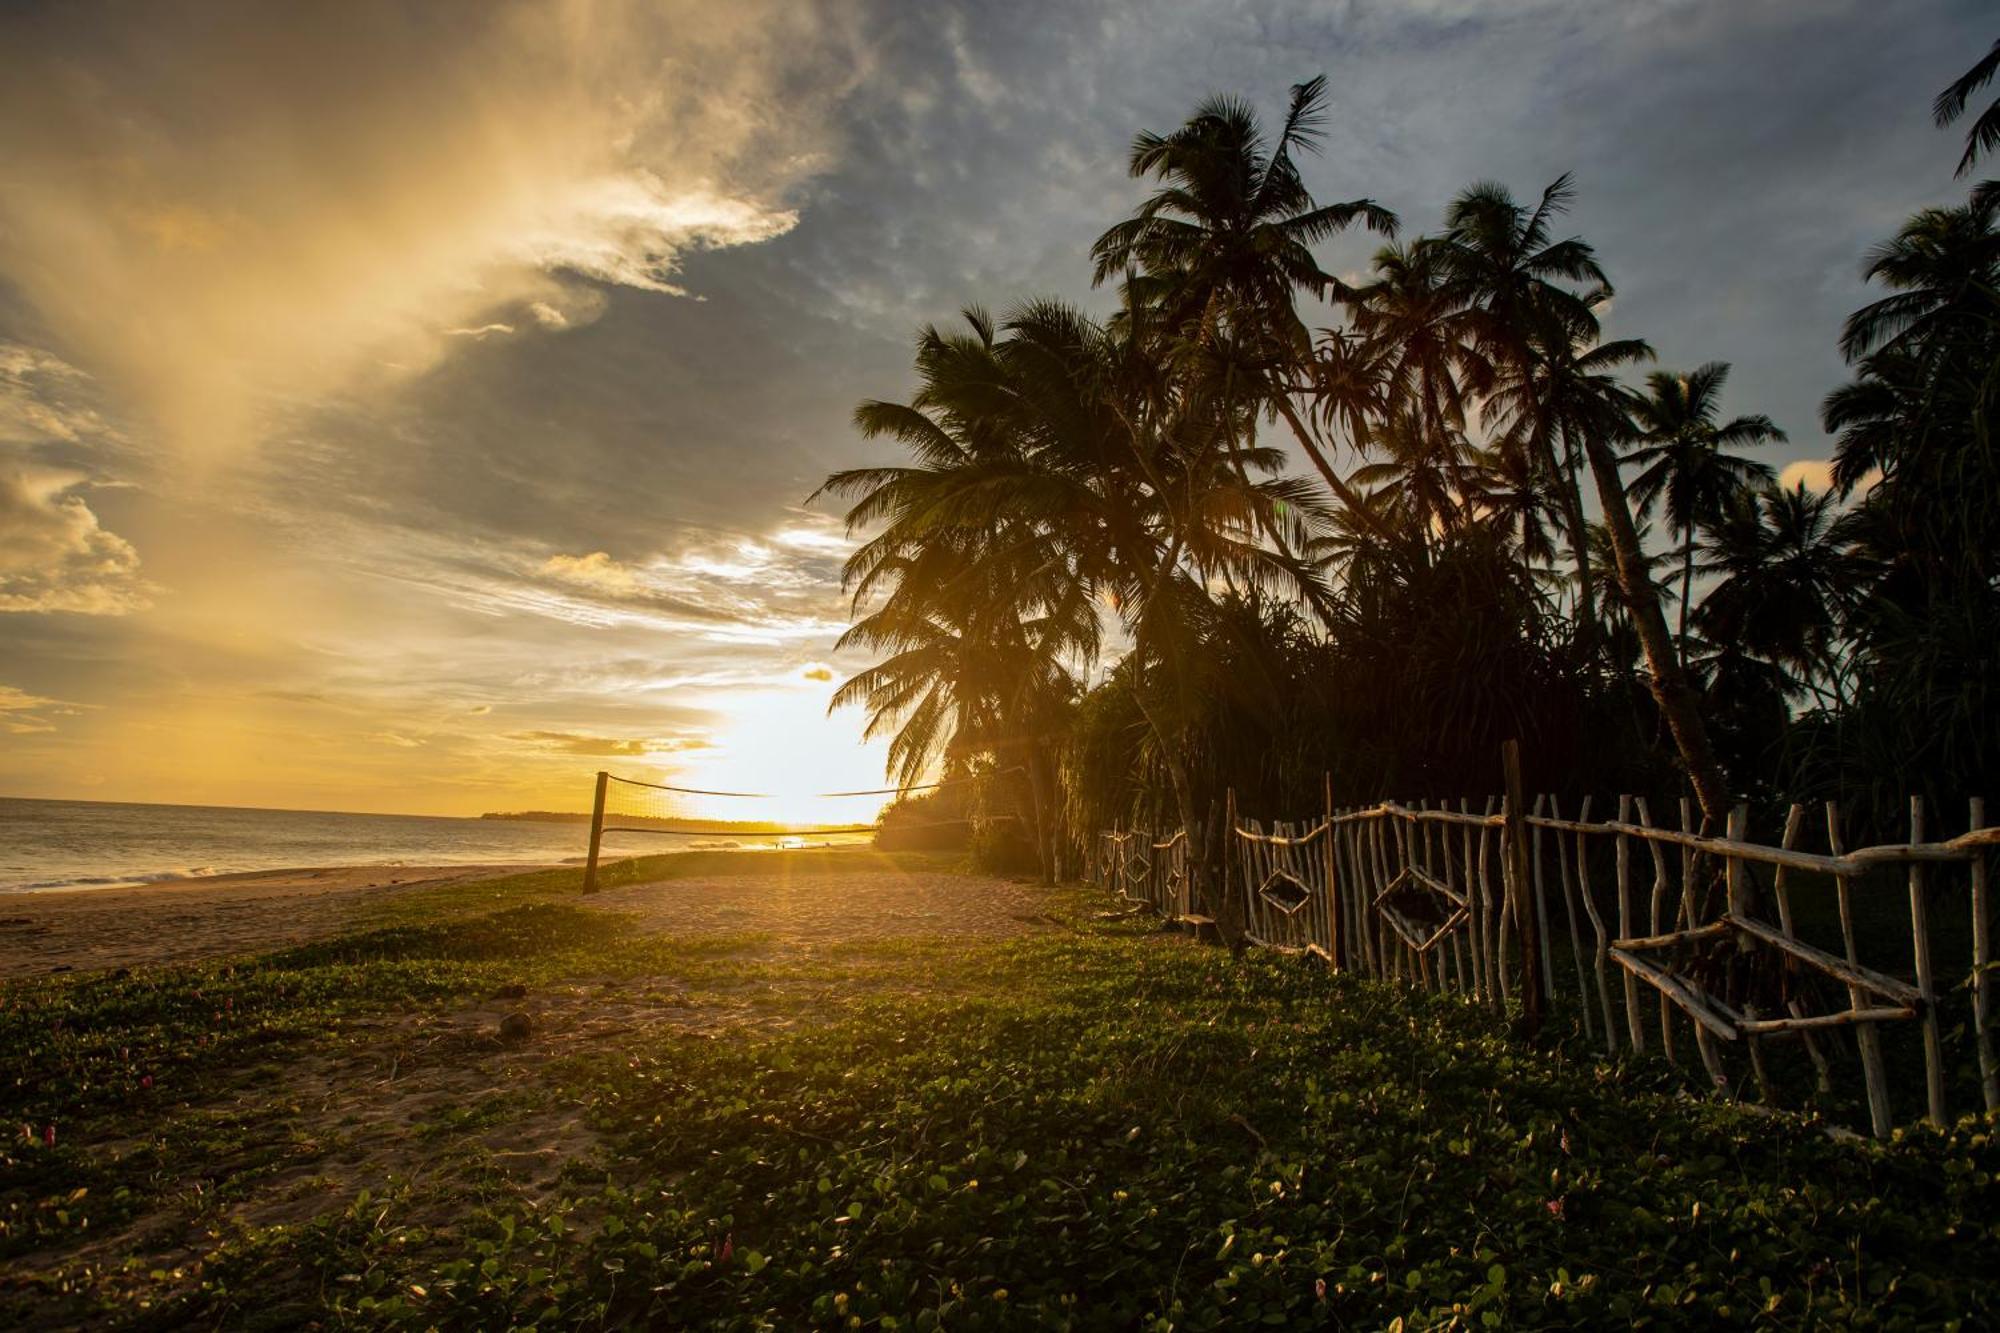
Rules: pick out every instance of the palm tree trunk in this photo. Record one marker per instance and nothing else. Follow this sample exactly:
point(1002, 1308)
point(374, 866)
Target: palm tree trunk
point(1687, 588)
point(1586, 586)
point(1668, 682)
point(1044, 844)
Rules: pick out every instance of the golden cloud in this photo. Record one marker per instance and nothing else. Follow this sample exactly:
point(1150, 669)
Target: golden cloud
point(596, 571)
point(225, 206)
point(582, 743)
point(24, 714)
point(54, 555)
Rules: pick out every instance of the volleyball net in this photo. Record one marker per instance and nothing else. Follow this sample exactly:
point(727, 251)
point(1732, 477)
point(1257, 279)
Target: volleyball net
point(627, 812)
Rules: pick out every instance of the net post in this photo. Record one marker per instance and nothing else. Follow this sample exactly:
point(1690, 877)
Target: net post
point(596, 832)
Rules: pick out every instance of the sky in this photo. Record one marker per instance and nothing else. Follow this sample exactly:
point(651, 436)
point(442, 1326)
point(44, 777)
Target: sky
point(413, 406)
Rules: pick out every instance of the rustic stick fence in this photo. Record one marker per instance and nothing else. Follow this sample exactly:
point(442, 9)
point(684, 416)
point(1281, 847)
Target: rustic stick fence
point(1770, 970)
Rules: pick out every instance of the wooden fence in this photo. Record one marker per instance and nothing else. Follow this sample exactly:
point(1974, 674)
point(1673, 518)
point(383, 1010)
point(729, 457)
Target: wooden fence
point(1764, 968)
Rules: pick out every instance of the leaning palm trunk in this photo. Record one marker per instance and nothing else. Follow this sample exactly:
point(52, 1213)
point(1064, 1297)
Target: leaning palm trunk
point(1687, 588)
point(1668, 681)
point(1341, 490)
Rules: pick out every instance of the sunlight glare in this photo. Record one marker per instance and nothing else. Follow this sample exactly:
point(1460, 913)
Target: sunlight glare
point(782, 741)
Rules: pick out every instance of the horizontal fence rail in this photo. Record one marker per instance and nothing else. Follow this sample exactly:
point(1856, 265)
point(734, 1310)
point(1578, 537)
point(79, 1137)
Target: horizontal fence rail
point(1797, 972)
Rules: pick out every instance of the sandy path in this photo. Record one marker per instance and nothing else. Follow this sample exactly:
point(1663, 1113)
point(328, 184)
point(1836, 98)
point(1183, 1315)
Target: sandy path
point(184, 920)
point(812, 909)
point(181, 920)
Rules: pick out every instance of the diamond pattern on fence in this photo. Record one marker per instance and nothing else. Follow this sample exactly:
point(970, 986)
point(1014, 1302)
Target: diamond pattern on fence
point(1284, 892)
point(1421, 909)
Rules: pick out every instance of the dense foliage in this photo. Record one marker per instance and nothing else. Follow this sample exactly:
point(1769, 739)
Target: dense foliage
point(1084, 490)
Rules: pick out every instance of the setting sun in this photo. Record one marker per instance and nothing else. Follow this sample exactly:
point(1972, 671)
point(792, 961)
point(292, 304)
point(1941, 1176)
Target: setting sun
point(781, 743)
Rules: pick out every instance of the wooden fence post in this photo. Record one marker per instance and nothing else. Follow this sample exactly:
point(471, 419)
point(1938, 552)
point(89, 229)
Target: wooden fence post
point(1229, 921)
point(1982, 980)
point(1335, 923)
point(596, 833)
point(1515, 834)
point(1920, 936)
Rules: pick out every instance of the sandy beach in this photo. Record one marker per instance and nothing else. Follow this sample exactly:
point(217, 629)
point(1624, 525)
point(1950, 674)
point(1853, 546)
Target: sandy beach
point(184, 919)
point(83, 930)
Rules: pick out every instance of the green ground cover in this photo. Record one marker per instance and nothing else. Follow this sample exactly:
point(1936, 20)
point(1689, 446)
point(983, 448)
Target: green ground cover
point(1095, 1125)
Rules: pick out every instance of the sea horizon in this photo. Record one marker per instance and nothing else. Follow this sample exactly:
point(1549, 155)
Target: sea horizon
point(52, 844)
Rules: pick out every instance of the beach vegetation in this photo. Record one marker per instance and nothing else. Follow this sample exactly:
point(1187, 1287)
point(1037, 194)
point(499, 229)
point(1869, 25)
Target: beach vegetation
point(1099, 576)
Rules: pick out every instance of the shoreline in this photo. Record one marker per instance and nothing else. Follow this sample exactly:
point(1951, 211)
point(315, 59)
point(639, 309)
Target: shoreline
point(285, 876)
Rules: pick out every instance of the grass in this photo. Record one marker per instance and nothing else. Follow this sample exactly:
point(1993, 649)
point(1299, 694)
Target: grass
point(1094, 1126)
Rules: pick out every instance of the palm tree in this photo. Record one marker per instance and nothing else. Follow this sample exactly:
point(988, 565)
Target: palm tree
point(1876, 417)
point(1411, 323)
point(1498, 260)
point(1219, 252)
point(1548, 402)
point(983, 609)
point(1941, 264)
point(1055, 471)
point(1516, 289)
point(1427, 478)
point(1785, 579)
point(1516, 490)
point(1682, 453)
point(1950, 105)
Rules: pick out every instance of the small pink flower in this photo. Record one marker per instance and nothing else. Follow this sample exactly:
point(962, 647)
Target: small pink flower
point(1319, 1288)
point(146, 1082)
point(728, 1248)
point(1555, 1207)
point(49, 1137)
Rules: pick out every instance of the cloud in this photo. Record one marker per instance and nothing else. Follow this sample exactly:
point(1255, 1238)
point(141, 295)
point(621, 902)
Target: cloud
point(818, 671)
point(742, 589)
point(24, 714)
point(596, 571)
point(571, 742)
point(278, 199)
point(1816, 475)
point(54, 555)
point(396, 739)
point(43, 398)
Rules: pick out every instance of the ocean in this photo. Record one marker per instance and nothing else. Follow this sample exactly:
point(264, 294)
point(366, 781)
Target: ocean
point(101, 844)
